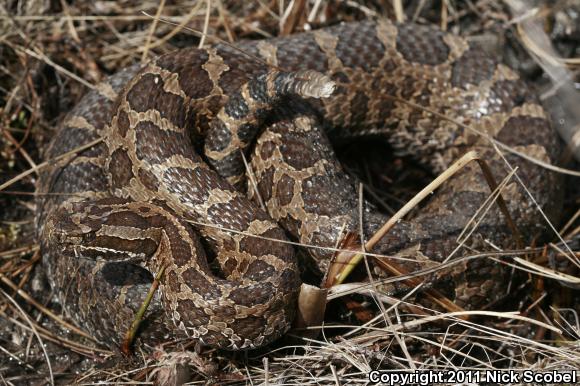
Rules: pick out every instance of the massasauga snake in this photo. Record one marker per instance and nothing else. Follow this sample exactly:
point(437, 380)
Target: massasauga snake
point(165, 188)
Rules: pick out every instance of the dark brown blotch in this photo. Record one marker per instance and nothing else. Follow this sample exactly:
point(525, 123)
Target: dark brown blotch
point(229, 266)
point(317, 188)
point(290, 282)
point(200, 285)
point(385, 106)
point(249, 327)
point(265, 183)
point(340, 77)
point(259, 293)
point(342, 81)
point(237, 107)
point(258, 90)
point(141, 95)
point(123, 123)
point(296, 151)
point(148, 94)
point(291, 225)
point(360, 47)
point(172, 280)
point(259, 270)
point(148, 179)
point(188, 64)
point(302, 50)
point(218, 137)
point(525, 130)
point(473, 67)
point(184, 249)
point(267, 150)
point(230, 165)
point(191, 314)
point(120, 167)
point(155, 145)
point(422, 45)
point(285, 190)
point(359, 107)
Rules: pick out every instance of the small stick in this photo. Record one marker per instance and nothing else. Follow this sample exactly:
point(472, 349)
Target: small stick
point(151, 32)
point(178, 26)
point(500, 201)
point(205, 24)
point(399, 13)
point(132, 331)
point(252, 178)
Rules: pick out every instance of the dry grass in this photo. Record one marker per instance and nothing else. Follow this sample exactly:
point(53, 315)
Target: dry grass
point(51, 53)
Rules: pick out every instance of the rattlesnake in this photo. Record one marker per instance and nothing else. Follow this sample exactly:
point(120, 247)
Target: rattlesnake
point(135, 203)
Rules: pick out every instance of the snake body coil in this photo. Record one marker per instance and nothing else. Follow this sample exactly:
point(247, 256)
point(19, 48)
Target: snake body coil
point(138, 201)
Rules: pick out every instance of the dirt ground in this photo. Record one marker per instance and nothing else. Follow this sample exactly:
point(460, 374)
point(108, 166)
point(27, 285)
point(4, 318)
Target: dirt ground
point(53, 51)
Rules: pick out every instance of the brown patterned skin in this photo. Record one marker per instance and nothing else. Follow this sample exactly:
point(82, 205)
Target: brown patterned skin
point(140, 199)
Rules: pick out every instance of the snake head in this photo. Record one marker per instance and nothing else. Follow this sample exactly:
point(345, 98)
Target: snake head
point(115, 231)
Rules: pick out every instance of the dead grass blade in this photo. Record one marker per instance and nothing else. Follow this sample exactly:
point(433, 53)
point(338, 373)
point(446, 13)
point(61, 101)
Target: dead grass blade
point(43, 309)
point(34, 331)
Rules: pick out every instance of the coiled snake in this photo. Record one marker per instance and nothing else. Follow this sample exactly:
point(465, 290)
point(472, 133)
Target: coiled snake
point(137, 201)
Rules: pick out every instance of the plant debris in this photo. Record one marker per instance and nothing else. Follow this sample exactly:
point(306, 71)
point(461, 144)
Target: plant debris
point(53, 52)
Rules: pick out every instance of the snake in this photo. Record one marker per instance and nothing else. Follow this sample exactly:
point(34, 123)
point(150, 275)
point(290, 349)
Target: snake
point(207, 165)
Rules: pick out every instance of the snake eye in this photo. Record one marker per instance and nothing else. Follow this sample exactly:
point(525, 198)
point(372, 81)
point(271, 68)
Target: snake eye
point(89, 237)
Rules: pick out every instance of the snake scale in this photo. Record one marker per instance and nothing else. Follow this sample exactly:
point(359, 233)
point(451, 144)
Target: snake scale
point(164, 189)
